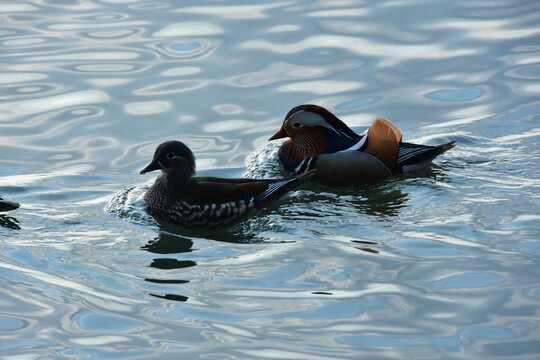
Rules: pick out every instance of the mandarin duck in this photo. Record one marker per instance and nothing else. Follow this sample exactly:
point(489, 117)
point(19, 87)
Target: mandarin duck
point(206, 202)
point(8, 205)
point(320, 140)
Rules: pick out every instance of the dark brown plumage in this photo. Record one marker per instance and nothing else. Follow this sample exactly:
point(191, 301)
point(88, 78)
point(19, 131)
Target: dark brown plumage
point(206, 202)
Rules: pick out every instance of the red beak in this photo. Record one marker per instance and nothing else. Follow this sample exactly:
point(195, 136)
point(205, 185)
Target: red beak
point(279, 135)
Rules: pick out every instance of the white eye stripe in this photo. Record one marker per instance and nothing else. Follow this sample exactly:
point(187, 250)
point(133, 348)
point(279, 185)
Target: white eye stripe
point(296, 113)
point(313, 119)
point(174, 156)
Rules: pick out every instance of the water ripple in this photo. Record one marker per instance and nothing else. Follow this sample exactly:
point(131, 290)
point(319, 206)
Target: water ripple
point(147, 107)
point(455, 95)
point(361, 47)
point(205, 148)
point(17, 8)
point(51, 103)
point(171, 87)
point(281, 72)
point(325, 87)
point(234, 12)
point(10, 78)
point(443, 262)
point(189, 29)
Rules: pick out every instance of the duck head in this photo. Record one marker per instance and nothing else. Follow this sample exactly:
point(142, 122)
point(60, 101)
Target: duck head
point(176, 162)
point(313, 131)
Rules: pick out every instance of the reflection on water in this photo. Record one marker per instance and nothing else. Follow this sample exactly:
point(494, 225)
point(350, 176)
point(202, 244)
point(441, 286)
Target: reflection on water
point(173, 297)
point(381, 201)
point(167, 263)
point(9, 222)
point(442, 263)
point(169, 244)
point(365, 248)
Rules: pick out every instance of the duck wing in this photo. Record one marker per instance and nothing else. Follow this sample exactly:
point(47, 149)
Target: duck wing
point(213, 190)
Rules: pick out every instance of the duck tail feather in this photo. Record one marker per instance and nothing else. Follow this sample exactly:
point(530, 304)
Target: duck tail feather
point(410, 154)
point(447, 146)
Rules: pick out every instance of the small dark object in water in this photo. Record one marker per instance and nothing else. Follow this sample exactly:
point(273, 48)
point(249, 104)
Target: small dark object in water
point(8, 205)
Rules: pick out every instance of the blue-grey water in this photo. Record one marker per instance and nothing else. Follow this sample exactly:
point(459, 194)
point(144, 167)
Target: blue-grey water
point(444, 264)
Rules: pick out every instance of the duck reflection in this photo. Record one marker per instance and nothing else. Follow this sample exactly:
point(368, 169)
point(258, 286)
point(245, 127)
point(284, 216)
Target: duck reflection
point(168, 264)
point(365, 248)
point(387, 198)
point(233, 233)
point(382, 201)
point(171, 297)
point(166, 243)
point(9, 222)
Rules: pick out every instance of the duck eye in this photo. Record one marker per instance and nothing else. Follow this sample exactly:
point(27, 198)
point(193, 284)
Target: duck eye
point(170, 155)
point(296, 125)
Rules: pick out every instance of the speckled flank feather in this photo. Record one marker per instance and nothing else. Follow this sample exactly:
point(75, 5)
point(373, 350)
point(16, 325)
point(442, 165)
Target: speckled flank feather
point(215, 214)
point(208, 215)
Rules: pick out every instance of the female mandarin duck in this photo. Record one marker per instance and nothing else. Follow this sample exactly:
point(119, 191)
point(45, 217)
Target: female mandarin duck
point(319, 140)
point(8, 205)
point(182, 199)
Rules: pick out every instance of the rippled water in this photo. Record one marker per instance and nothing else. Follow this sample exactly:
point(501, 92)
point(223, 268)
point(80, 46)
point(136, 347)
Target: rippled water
point(443, 264)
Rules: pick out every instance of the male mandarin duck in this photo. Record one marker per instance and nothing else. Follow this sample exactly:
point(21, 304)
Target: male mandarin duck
point(205, 202)
point(321, 141)
point(8, 205)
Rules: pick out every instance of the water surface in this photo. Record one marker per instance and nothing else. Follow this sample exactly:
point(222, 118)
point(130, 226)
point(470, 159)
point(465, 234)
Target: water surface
point(442, 264)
